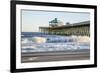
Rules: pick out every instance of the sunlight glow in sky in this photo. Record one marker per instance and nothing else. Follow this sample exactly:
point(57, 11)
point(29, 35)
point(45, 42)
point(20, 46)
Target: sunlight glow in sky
point(32, 20)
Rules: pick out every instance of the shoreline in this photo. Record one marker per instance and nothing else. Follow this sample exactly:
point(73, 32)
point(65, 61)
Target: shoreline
point(55, 56)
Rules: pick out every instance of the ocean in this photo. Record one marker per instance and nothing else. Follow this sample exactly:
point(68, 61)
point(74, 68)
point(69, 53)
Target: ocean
point(41, 42)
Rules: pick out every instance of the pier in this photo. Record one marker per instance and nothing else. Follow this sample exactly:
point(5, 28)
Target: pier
point(81, 29)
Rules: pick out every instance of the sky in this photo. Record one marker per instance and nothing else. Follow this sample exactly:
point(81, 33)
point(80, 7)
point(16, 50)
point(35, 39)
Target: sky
point(31, 20)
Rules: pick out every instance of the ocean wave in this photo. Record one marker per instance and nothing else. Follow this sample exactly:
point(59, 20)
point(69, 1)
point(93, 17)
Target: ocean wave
point(44, 42)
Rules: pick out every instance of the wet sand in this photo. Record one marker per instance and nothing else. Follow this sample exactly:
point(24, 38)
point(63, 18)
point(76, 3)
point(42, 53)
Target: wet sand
point(55, 56)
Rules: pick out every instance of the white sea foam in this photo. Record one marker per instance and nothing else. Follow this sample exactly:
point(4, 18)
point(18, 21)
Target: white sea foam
point(40, 44)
